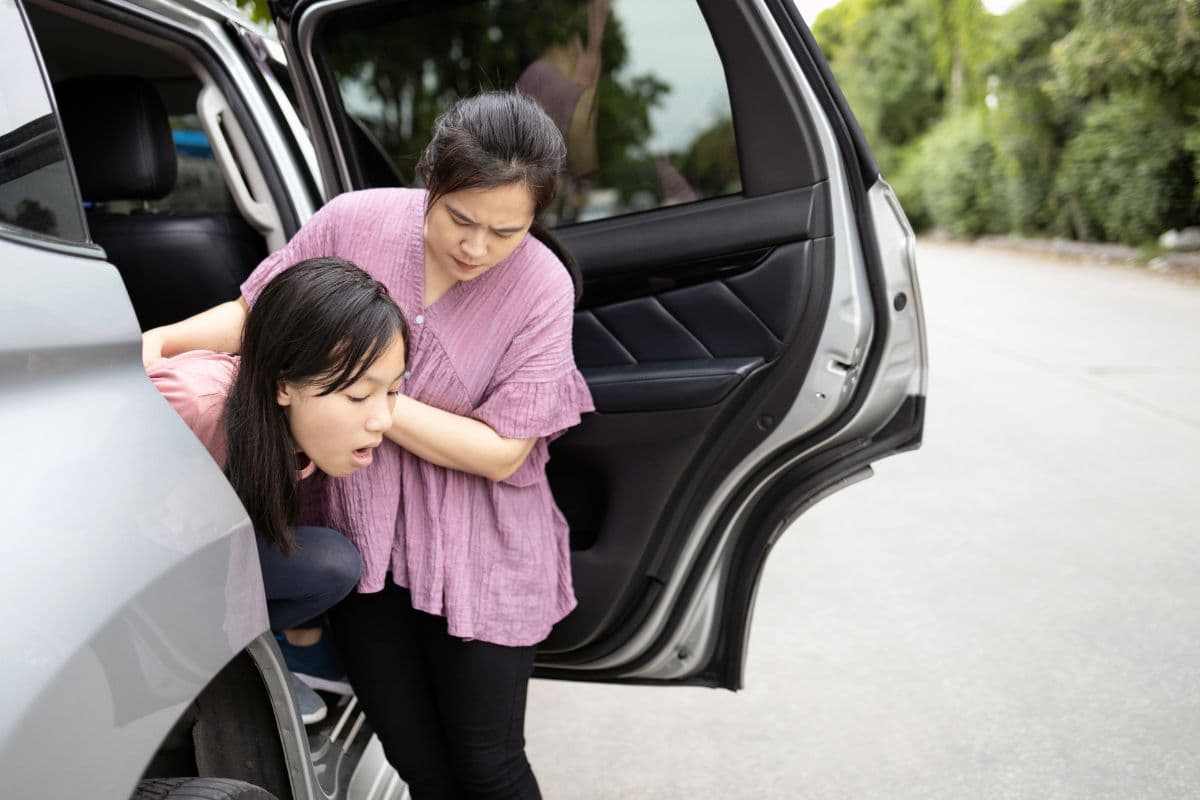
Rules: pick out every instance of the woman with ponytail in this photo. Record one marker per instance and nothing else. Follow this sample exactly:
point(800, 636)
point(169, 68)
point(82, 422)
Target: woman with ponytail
point(466, 563)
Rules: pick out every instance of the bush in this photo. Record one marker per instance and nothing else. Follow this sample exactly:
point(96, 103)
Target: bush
point(906, 179)
point(955, 168)
point(1127, 174)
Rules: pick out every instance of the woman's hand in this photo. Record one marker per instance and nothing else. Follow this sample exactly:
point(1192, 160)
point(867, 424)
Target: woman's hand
point(455, 442)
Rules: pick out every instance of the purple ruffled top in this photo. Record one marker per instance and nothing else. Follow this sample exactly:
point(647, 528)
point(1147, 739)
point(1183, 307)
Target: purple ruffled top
point(491, 557)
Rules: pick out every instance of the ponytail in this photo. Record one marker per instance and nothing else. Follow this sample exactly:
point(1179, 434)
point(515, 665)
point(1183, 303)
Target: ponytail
point(540, 232)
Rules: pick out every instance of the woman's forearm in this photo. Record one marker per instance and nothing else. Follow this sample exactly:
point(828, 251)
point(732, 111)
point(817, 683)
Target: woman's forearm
point(455, 442)
point(219, 328)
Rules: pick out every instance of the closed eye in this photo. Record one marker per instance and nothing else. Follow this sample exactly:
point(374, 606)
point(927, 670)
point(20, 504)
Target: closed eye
point(465, 222)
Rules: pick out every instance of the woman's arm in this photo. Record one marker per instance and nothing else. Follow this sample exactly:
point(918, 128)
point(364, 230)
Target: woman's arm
point(455, 442)
point(219, 328)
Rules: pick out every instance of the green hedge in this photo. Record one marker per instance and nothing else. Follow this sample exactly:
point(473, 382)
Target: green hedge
point(952, 177)
point(1127, 174)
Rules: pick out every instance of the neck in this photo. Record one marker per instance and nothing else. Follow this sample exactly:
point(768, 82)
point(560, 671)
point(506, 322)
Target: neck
point(437, 281)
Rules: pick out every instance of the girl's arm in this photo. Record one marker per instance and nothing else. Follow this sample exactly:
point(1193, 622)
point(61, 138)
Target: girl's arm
point(455, 442)
point(219, 328)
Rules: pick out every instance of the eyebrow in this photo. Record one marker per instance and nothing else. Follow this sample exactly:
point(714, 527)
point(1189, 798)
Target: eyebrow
point(369, 378)
point(505, 230)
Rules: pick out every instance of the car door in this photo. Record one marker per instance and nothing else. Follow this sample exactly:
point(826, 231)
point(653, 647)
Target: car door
point(129, 575)
point(750, 324)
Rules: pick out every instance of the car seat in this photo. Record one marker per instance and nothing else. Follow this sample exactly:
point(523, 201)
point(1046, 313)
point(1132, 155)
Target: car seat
point(173, 264)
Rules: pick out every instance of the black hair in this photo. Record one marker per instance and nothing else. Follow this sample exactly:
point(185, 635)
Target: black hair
point(496, 139)
point(320, 323)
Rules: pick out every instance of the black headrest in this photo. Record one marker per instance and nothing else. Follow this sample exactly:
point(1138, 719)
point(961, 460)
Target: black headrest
point(119, 136)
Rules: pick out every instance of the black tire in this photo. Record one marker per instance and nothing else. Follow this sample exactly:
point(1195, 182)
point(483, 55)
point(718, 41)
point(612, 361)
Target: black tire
point(198, 789)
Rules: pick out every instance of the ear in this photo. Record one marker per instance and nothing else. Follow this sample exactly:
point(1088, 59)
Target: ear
point(283, 394)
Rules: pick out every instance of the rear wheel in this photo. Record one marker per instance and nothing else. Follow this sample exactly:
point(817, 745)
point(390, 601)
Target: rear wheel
point(198, 789)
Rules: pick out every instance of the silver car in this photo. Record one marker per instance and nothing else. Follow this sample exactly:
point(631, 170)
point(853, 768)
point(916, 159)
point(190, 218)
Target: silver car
point(750, 326)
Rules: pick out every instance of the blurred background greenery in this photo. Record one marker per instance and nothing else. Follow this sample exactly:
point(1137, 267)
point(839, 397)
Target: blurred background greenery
point(1074, 118)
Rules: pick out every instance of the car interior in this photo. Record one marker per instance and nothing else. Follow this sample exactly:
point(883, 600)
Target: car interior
point(122, 101)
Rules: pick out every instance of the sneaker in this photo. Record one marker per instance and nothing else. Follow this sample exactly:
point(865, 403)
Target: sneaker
point(317, 665)
point(308, 703)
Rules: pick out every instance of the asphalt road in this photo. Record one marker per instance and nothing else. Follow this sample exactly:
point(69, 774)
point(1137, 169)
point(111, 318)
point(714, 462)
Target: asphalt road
point(1011, 612)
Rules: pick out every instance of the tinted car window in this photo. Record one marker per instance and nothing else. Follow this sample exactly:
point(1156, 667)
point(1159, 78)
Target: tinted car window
point(200, 185)
point(37, 192)
point(637, 89)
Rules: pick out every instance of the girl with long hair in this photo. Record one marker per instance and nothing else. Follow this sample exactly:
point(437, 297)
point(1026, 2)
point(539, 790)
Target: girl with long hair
point(312, 394)
point(466, 563)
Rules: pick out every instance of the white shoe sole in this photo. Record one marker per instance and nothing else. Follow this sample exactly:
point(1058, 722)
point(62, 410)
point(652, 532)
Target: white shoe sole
point(314, 716)
point(325, 684)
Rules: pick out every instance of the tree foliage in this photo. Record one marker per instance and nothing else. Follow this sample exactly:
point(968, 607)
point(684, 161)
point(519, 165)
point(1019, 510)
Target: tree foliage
point(1126, 175)
point(1030, 125)
point(1075, 117)
point(958, 168)
point(711, 163)
point(1130, 45)
point(886, 67)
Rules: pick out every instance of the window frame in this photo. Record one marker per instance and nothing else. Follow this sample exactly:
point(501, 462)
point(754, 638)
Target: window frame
point(83, 246)
point(755, 91)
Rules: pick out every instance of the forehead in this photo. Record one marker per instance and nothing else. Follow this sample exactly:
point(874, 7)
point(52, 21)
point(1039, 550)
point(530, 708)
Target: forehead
point(388, 364)
point(508, 205)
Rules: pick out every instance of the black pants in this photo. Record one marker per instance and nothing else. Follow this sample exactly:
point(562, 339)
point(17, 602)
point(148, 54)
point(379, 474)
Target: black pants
point(449, 713)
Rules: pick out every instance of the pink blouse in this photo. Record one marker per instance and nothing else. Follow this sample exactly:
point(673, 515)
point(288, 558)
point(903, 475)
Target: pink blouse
point(491, 557)
point(196, 384)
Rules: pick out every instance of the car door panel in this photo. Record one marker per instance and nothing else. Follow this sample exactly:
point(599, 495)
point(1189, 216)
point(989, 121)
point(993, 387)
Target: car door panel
point(666, 385)
point(749, 314)
point(691, 361)
point(704, 230)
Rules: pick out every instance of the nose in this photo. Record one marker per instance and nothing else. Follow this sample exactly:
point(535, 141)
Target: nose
point(474, 245)
point(380, 418)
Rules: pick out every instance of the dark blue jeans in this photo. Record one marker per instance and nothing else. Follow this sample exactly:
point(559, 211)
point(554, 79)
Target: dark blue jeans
point(321, 570)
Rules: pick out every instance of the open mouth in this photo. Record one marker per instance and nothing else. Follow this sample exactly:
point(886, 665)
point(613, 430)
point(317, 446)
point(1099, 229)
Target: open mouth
point(363, 456)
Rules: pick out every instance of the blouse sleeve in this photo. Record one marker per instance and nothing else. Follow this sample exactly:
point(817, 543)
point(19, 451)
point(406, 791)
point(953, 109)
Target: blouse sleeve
point(537, 391)
point(196, 385)
point(317, 237)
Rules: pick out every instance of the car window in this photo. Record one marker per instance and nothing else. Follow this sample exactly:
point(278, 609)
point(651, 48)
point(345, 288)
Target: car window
point(200, 185)
point(637, 89)
point(37, 192)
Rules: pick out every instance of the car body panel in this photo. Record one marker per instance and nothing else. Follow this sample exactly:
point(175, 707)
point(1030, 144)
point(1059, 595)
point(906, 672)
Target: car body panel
point(128, 534)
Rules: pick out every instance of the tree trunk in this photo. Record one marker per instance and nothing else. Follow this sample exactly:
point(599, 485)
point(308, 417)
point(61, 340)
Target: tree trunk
point(1077, 220)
